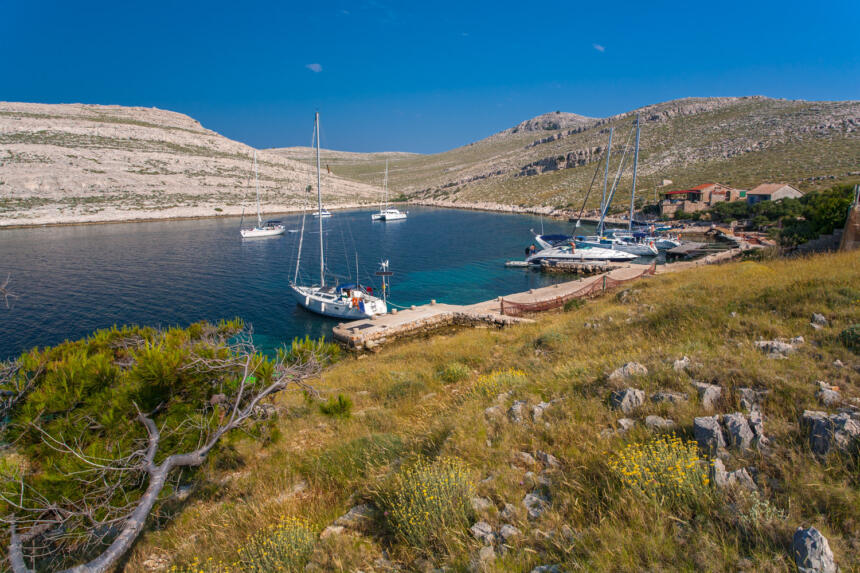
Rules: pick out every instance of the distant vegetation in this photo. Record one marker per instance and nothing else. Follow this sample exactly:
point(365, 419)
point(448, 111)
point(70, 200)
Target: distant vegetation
point(792, 221)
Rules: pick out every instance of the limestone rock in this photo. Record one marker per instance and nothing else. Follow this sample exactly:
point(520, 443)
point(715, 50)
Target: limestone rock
point(738, 431)
point(681, 365)
point(480, 504)
point(483, 532)
point(818, 321)
point(777, 348)
point(627, 371)
point(481, 561)
point(812, 552)
point(708, 433)
point(535, 505)
point(708, 394)
point(828, 395)
point(669, 397)
point(751, 398)
point(509, 532)
point(548, 460)
point(518, 411)
point(626, 423)
point(658, 423)
point(332, 530)
point(509, 512)
point(829, 432)
point(156, 562)
point(357, 517)
point(525, 458)
point(538, 410)
point(546, 569)
point(738, 478)
point(493, 413)
point(627, 400)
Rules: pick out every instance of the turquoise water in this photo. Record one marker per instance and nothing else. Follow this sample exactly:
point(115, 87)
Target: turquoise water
point(73, 280)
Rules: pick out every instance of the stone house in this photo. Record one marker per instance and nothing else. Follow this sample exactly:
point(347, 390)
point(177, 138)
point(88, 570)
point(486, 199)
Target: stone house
point(698, 198)
point(772, 192)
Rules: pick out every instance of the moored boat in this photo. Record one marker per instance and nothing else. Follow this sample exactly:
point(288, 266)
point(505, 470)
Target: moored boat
point(347, 302)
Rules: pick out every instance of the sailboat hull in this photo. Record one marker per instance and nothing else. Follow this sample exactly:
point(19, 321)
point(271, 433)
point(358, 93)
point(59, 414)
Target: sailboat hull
point(256, 232)
point(329, 303)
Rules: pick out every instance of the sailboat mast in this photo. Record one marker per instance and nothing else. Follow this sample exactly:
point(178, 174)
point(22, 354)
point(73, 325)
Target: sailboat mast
point(635, 165)
point(319, 200)
point(385, 184)
point(257, 183)
point(605, 181)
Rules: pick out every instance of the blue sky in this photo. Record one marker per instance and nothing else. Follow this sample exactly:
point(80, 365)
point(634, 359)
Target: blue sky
point(418, 76)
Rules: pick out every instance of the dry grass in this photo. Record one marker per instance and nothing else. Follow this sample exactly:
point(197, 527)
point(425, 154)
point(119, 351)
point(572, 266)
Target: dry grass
point(404, 409)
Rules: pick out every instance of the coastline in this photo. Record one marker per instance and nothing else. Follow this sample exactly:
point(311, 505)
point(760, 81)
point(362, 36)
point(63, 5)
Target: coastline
point(111, 216)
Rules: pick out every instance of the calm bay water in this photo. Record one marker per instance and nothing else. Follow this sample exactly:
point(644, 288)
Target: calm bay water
point(73, 280)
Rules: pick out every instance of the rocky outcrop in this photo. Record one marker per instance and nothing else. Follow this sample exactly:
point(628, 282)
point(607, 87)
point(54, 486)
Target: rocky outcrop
point(725, 479)
point(812, 552)
point(627, 400)
point(709, 394)
point(830, 432)
point(730, 430)
point(779, 348)
point(628, 371)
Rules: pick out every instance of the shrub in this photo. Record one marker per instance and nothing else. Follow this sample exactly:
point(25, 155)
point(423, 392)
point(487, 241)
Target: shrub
point(573, 304)
point(339, 406)
point(754, 511)
point(301, 349)
point(850, 337)
point(499, 381)
point(428, 502)
point(667, 469)
point(454, 372)
point(284, 547)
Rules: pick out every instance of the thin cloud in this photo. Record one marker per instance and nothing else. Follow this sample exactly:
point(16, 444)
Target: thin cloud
point(315, 68)
point(598, 47)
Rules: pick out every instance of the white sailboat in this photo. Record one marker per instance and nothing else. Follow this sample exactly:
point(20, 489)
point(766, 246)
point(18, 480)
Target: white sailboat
point(267, 229)
point(576, 253)
point(386, 212)
point(348, 302)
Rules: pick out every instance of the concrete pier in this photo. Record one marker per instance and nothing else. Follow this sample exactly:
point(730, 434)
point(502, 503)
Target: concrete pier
point(367, 334)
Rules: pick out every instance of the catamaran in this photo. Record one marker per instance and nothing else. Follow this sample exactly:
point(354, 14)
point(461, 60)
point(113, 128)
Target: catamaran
point(267, 229)
point(348, 302)
point(386, 212)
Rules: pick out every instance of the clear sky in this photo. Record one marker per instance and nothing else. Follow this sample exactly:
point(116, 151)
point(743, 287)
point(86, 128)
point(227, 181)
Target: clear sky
point(418, 76)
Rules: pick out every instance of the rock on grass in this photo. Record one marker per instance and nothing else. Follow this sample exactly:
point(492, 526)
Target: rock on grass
point(812, 552)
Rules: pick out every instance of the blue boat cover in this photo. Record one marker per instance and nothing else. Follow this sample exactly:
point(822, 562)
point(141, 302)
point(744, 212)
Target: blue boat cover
point(346, 287)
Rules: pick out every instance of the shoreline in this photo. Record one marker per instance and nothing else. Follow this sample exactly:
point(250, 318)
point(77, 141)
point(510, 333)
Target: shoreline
point(150, 216)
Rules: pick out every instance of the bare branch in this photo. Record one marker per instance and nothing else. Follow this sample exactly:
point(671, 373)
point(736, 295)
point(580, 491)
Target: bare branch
point(106, 478)
point(4, 291)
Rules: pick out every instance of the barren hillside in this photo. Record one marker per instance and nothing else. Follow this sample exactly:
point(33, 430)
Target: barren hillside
point(83, 163)
point(550, 160)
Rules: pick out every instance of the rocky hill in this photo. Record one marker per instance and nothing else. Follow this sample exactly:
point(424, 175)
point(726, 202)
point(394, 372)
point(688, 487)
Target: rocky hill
point(85, 163)
point(549, 161)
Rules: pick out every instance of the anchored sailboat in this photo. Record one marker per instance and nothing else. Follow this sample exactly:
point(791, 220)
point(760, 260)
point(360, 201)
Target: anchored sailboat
point(386, 212)
point(270, 228)
point(348, 302)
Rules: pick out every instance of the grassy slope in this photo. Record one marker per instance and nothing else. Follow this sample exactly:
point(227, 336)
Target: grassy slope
point(688, 149)
point(403, 408)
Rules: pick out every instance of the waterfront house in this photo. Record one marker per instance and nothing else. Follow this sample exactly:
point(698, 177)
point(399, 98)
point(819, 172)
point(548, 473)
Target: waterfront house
point(772, 192)
point(698, 198)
